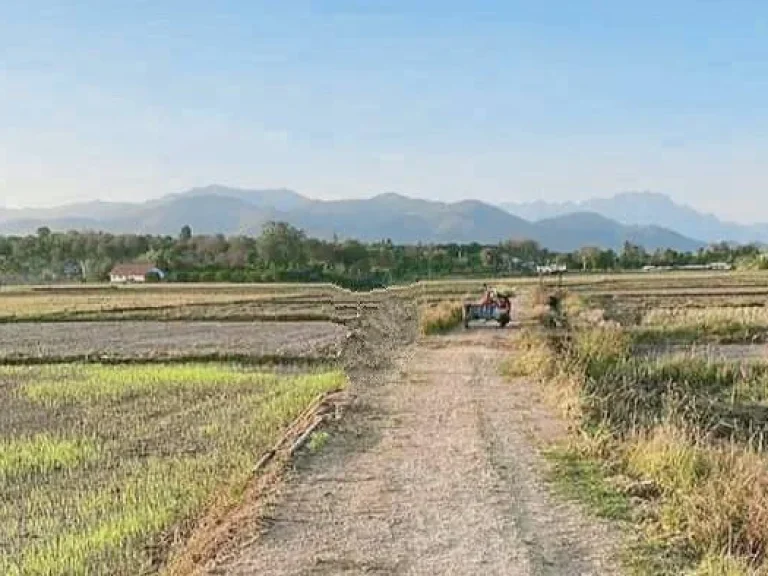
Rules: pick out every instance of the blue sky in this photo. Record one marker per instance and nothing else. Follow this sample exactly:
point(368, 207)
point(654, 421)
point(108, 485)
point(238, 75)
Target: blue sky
point(503, 101)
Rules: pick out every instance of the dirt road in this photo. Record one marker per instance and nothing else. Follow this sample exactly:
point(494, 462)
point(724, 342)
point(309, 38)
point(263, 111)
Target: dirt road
point(434, 472)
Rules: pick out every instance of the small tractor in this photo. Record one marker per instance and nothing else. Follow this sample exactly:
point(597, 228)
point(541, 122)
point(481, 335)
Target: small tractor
point(495, 306)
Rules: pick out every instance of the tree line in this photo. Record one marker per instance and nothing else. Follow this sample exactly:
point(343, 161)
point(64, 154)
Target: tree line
point(284, 253)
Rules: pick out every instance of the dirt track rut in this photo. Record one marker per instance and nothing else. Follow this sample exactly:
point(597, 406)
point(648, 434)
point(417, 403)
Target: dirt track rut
point(435, 472)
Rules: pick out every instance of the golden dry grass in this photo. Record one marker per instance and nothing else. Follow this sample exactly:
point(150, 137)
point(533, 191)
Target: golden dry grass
point(653, 419)
point(706, 318)
point(31, 302)
point(439, 318)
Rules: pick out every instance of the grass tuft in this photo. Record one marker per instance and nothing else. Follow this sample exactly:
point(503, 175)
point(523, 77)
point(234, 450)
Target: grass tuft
point(42, 454)
point(579, 477)
point(318, 440)
point(439, 318)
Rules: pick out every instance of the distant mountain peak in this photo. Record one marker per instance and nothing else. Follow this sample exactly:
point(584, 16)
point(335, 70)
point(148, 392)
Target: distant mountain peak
point(643, 208)
point(392, 196)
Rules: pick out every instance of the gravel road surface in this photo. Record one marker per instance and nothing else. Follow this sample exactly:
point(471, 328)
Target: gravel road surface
point(434, 472)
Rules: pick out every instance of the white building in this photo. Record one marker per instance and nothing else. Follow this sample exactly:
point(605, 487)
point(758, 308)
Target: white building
point(124, 273)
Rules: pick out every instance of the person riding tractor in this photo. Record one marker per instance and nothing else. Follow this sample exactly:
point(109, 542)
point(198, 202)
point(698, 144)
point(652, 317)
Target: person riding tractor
point(489, 295)
point(492, 305)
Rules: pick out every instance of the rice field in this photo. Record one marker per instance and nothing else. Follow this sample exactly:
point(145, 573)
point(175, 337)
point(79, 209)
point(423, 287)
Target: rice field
point(104, 469)
point(152, 340)
point(124, 422)
point(162, 302)
point(707, 317)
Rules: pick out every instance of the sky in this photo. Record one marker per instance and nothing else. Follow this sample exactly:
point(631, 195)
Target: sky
point(502, 101)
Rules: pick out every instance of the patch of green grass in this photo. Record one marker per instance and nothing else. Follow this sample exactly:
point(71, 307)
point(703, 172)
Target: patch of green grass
point(289, 396)
point(583, 479)
point(89, 383)
point(654, 557)
point(41, 454)
point(318, 440)
point(113, 522)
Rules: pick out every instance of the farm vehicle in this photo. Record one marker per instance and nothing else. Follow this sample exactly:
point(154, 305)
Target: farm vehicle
point(494, 306)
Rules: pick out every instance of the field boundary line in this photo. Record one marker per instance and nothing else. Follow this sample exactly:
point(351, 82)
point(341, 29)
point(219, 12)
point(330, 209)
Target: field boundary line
point(222, 523)
point(244, 359)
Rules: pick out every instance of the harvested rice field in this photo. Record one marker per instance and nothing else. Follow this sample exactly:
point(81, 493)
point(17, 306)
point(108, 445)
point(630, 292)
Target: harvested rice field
point(136, 340)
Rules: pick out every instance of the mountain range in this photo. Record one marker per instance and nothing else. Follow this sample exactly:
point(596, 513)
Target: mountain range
point(650, 220)
point(648, 209)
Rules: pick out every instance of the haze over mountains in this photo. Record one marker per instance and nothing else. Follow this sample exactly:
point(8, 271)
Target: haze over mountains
point(650, 220)
point(648, 208)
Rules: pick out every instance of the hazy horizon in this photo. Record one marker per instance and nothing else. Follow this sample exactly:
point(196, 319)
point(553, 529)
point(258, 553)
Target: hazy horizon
point(498, 101)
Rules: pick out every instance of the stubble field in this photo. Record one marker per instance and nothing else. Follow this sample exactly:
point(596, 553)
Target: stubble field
point(152, 340)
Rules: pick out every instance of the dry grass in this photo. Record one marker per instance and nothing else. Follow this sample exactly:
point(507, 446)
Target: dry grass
point(692, 428)
point(717, 497)
point(439, 318)
point(715, 564)
point(33, 305)
point(22, 304)
point(707, 318)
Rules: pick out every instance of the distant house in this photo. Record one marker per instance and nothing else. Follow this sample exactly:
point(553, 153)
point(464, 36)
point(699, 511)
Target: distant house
point(720, 266)
point(551, 269)
point(123, 273)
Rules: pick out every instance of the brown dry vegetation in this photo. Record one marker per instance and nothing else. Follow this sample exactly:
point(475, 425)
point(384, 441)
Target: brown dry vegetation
point(174, 302)
point(440, 317)
point(680, 438)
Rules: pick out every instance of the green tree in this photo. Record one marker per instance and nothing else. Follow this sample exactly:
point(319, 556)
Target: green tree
point(282, 245)
point(632, 256)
